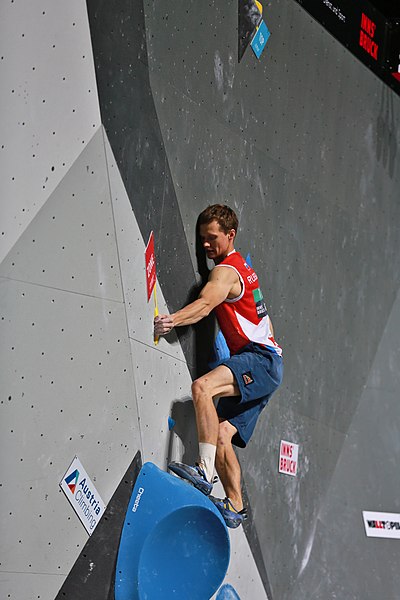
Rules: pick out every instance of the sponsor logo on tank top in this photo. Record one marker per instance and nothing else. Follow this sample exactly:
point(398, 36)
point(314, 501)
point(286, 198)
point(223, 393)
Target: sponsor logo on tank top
point(260, 304)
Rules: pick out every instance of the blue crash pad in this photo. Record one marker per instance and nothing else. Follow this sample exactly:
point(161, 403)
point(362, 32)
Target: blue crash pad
point(174, 542)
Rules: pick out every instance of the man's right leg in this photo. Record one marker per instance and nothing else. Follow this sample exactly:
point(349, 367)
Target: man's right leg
point(218, 382)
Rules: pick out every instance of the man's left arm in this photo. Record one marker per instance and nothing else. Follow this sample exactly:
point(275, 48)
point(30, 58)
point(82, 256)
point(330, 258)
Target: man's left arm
point(216, 290)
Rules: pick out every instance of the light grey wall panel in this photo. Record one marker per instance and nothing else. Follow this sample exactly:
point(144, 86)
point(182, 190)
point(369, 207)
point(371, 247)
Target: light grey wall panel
point(59, 398)
point(18, 586)
point(242, 572)
point(48, 100)
point(71, 244)
point(160, 381)
point(68, 384)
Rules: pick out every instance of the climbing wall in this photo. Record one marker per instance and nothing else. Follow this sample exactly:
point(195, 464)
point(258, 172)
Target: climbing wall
point(68, 378)
point(130, 117)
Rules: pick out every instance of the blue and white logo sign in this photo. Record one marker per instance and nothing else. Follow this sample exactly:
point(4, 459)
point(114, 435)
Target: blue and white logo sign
point(260, 39)
point(83, 496)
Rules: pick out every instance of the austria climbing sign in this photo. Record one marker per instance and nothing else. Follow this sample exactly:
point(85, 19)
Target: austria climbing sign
point(83, 496)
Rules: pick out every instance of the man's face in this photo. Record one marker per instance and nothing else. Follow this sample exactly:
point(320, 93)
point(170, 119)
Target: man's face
point(216, 243)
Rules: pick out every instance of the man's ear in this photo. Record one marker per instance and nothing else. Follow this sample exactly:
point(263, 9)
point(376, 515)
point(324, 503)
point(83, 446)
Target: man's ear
point(232, 234)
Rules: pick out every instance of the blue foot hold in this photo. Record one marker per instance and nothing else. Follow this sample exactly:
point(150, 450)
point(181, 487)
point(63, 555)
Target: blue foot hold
point(174, 542)
point(227, 592)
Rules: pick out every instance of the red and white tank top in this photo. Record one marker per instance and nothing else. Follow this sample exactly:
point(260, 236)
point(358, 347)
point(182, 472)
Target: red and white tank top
point(244, 319)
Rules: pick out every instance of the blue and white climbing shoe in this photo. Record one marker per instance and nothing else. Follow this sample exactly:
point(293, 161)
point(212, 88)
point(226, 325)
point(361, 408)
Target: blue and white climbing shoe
point(232, 517)
point(195, 475)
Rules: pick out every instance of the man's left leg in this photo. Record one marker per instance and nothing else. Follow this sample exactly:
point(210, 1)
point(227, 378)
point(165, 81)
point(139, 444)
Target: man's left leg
point(228, 469)
point(227, 465)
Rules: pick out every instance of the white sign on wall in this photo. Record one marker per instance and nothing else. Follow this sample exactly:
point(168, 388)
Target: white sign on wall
point(383, 525)
point(83, 496)
point(288, 458)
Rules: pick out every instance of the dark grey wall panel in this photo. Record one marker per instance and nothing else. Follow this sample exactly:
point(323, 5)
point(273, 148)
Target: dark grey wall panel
point(310, 250)
point(363, 478)
point(304, 145)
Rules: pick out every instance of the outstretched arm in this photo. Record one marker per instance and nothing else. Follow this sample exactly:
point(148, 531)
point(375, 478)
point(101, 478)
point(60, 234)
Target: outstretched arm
point(219, 285)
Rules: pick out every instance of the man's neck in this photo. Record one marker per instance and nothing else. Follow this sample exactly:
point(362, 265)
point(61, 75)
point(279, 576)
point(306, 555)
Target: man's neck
point(219, 260)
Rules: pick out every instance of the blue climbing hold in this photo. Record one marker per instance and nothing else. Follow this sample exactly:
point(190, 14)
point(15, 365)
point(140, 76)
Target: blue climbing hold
point(174, 542)
point(227, 592)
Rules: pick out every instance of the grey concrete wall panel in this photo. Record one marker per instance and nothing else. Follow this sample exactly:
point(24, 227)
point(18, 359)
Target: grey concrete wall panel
point(48, 101)
point(93, 574)
point(130, 120)
point(71, 244)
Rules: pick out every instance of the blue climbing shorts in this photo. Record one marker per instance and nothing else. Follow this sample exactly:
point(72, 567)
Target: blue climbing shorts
point(258, 373)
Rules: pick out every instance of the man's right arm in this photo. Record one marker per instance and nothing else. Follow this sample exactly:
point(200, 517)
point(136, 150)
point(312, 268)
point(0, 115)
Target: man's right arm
point(214, 292)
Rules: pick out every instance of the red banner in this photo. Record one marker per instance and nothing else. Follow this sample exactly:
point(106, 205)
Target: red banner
point(150, 260)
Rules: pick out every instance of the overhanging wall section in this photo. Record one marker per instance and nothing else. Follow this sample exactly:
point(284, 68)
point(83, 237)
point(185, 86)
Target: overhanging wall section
point(304, 145)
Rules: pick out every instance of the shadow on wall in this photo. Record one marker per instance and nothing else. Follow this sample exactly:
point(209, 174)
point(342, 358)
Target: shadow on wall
point(386, 142)
point(182, 412)
point(205, 330)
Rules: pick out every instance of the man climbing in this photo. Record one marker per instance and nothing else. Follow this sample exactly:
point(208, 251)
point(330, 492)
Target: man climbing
point(245, 381)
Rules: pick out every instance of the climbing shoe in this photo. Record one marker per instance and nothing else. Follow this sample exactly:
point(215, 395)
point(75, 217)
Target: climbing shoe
point(195, 475)
point(232, 517)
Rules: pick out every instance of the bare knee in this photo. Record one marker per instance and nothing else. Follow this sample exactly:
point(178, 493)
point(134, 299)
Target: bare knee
point(198, 388)
point(226, 432)
point(200, 391)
